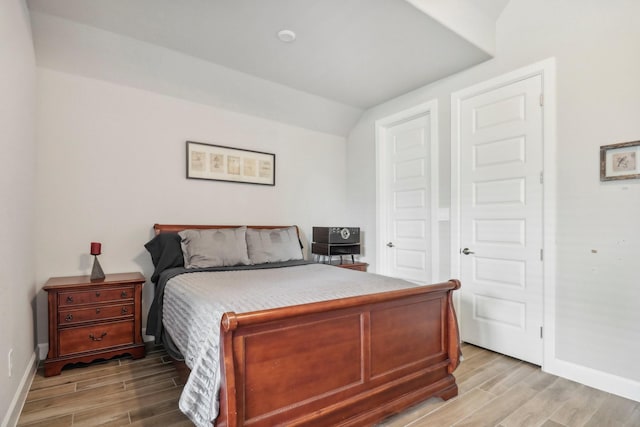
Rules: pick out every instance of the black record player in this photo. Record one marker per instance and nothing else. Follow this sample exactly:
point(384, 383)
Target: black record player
point(336, 241)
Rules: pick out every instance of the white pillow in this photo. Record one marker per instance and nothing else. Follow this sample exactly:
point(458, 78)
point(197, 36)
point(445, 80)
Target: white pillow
point(219, 247)
point(273, 245)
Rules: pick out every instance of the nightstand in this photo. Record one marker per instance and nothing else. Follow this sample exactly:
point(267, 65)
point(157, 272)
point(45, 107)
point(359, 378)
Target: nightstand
point(93, 320)
point(360, 266)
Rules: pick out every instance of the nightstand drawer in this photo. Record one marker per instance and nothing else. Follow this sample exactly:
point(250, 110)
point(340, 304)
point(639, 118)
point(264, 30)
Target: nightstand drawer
point(95, 337)
point(72, 317)
point(69, 299)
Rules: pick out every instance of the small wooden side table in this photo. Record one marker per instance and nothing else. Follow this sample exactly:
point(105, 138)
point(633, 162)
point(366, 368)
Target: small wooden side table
point(360, 266)
point(93, 320)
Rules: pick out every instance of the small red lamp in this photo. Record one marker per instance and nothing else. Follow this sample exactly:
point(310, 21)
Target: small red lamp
point(96, 272)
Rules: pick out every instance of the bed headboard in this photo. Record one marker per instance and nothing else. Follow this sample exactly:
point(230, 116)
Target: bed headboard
point(174, 228)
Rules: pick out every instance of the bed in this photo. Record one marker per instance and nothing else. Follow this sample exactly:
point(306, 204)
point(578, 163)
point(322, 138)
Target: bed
point(347, 357)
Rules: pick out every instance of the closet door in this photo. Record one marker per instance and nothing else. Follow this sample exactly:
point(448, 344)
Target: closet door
point(501, 234)
point(407, 194)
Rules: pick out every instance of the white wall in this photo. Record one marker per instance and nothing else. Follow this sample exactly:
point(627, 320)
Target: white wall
point(596, 45)
point(111, 163)
point(17, 183)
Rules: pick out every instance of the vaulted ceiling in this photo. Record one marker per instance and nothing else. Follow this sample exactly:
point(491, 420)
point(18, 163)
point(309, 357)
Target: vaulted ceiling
point(358, 53)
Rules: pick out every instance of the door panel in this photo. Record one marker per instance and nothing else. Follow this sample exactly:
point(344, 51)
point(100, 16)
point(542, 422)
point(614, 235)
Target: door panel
point(407, 150)
point(501, 219)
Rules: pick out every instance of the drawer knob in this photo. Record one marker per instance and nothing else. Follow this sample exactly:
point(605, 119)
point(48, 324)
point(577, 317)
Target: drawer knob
point(69, 299)
point(97, 311)
point(98, 294)
point(123, 294)
point(124, 310)
point(69, 317)
point(94, 338)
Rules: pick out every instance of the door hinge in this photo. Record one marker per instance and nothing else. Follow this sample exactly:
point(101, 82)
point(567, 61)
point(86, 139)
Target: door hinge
point(541, 254)
point(541, 177)
point(541, 334)
point(541, 100)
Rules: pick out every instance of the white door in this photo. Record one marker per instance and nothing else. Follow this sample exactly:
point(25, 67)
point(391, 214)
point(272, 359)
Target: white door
point(501, 235)
point(408, 238)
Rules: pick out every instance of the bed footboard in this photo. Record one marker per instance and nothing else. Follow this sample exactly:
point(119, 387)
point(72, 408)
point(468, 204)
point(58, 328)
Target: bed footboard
point(345, 362)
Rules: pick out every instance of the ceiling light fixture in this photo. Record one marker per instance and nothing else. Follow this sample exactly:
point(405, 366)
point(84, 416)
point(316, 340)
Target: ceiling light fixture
point(286, 36)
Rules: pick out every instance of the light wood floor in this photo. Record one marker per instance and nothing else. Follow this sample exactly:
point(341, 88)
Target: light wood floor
point(494, 390)
point(117, 392)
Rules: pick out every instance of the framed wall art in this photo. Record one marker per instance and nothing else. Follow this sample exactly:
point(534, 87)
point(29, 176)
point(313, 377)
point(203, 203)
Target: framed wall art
point(220, 163)
point(620, 161)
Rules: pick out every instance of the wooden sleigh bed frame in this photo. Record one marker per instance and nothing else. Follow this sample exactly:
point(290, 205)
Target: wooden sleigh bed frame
point(373, 356)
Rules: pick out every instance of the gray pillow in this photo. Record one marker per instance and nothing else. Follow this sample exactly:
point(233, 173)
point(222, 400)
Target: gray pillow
point(273, 245)
point(218, 247)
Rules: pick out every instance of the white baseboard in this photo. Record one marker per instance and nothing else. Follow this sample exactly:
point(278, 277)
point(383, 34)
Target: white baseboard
point(17, 403)
point(610, 383)
point(145, 337)
point(43, 350)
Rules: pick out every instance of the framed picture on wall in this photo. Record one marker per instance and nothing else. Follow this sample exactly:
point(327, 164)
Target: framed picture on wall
point(220, 163)
point(620, 161)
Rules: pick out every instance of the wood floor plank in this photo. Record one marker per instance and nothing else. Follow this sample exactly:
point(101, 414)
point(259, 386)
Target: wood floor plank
point(505, 380)
point(154, 360)
point(169, 419)
point(62, 421)
point(614, 411)
point(112, 411)
point(75, 374)
point(97, 369)
point(128, 373)
point(102, 418)
point(49, 392)
point(539, 380)
point(540, 408)
point(455, 409)
point(57, 405)
point(157, 376)
point(468, 350)
point(154, 409)
point(469, 380)
point(550, 423)
point(578, 410)
point(499, 408)
point(634, 419)
point(405, 418)
point(475, 362)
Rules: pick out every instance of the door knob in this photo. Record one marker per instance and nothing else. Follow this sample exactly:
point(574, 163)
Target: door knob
point(466, 251)
point(390, 245)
